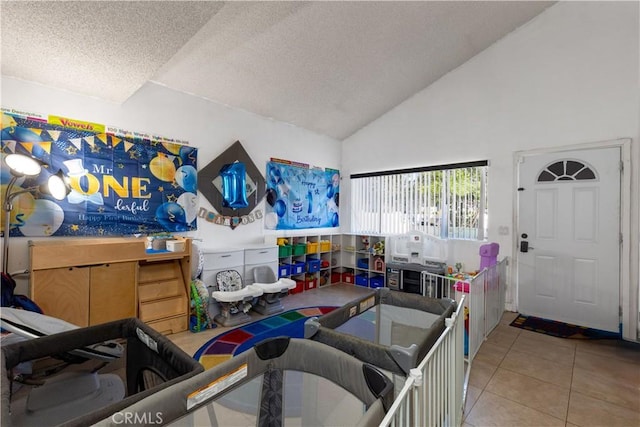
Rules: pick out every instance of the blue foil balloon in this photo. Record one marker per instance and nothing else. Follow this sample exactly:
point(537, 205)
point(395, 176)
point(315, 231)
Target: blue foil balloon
point(20, 134)
point(172, 217)
point(188, 155)
point(234, 188)
point(335, 221)
point(272, 196)
point(275, 177)
point(186, 177)
point(280, 208)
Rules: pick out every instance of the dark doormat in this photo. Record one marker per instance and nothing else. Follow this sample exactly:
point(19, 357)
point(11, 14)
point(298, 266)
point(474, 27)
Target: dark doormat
point(560, 329)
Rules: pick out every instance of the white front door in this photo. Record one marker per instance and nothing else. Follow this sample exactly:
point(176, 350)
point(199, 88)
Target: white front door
point(568, 262)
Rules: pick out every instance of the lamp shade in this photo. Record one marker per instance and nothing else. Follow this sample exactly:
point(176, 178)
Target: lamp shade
point(21, 165)
point(57, 186)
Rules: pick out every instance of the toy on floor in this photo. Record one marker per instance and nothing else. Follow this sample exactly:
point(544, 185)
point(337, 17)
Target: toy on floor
point(199, 320)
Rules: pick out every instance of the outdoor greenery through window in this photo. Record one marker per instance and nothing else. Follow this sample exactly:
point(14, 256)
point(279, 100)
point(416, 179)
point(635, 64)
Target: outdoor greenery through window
point(448, 201)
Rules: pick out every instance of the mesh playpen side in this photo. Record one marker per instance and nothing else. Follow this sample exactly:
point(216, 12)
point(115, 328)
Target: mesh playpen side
point(406, 327)
point(150, 363)
point(280, 379)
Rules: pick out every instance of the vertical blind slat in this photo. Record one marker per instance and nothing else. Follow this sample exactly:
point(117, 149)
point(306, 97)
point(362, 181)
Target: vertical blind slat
point(449, 203)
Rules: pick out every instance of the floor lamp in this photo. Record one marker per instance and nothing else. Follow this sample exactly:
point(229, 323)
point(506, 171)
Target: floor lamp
point(25, 166)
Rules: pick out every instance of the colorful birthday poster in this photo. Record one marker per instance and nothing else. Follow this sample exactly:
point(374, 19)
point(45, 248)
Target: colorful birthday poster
point(121, 183)
point(300, 197)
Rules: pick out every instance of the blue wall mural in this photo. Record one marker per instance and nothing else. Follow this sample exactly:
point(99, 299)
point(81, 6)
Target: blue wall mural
point(122, 184)
point(300, 197)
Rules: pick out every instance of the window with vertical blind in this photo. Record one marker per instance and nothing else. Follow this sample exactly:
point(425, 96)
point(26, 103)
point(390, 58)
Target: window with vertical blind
point(447, 201)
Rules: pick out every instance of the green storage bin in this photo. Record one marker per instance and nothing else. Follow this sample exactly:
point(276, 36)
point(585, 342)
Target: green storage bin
point(299, 249)
point(284, 251)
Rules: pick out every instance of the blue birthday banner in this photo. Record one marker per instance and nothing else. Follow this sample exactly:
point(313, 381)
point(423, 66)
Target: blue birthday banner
point(300, 197)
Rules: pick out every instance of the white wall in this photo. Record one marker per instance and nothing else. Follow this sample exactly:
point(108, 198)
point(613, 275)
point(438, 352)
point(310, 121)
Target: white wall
point(570, 76)
point(209, 126)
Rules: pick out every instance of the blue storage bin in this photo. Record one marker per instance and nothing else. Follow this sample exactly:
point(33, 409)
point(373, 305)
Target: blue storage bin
point(313, 265)
point(362, 280)
point(363, 263)
point(297, 267)
point(284, 270)
point(376, 282)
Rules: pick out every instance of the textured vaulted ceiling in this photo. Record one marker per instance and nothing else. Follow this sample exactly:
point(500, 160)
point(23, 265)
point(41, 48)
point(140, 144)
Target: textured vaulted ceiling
point(330, 67)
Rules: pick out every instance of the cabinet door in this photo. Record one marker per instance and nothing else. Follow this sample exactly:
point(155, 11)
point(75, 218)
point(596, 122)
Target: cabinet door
point(112, 292)
point(63, 293)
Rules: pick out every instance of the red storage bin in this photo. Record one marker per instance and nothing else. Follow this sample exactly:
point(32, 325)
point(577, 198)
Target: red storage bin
point(336, 277)
point(299, 287)
point(310, 283)
point(347, 278)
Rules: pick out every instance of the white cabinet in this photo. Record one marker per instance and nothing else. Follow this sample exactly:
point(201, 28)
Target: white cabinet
point(257, 256)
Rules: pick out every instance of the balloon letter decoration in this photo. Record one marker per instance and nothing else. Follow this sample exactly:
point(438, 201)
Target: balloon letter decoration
point(234, 189)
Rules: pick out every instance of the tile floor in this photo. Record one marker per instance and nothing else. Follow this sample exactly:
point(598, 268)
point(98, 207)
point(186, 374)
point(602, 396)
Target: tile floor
point(521, 378)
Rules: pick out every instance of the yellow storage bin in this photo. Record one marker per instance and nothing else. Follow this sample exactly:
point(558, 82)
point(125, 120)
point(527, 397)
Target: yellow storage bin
point(312, 247)
point(325, 246)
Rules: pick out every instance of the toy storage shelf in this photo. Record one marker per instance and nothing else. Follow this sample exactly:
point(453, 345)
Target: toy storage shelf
point(311, 260)
point(363, 259)
point(325, 259)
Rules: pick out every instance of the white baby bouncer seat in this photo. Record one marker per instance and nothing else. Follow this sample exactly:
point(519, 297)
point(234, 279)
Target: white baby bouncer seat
point(273, 290)
point(234, 297)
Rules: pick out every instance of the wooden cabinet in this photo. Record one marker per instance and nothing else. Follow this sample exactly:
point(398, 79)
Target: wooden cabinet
point(112, 292)
point(92, 281)
point(87, 295)
point(162, 297)
point(62, 293)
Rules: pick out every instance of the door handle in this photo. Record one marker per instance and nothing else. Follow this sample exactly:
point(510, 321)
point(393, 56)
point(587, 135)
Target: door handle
point(524, 246)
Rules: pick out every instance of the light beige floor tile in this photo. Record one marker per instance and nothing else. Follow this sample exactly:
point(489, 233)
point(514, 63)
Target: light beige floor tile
point(534, 366)
point(473, 393)
point(493, 410)
point(607, 379)
point(544, 349)
point(481, 373)
point(542, 396)
point(465, 424)
point(604, 364)
point(550, 339)
point(586, 411)
point(618, 349)
point(491, 353)
point(508, 317)
point(571, 425)
point(503, 336)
